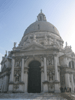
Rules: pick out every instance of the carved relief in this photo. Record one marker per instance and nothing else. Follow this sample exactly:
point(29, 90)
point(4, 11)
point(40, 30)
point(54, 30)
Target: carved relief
point(18, 62)
point(17, 75)
point(51, 74)
point(26, 58)
point(51, 87)
point(50, 60)
point(42, 58)
point(16, 87)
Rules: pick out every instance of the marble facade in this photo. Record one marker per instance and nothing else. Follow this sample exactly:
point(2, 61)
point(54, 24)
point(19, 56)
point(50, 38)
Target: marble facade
point(41, 42)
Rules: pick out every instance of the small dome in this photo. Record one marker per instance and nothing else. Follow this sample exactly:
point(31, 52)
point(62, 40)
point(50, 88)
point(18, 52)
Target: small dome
point(41, 25)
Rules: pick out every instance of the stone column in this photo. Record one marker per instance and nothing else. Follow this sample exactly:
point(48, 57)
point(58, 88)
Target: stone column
point(42, 78)
point(67, 80)
point(45, 69)
point(45, 83)
point(22, 70)
point(56, 68)
point(12, 76)
point(26, 79)
point(72, 81)
point(57, 88)
point(21, 85)
point(6, 83)
point(12, 71)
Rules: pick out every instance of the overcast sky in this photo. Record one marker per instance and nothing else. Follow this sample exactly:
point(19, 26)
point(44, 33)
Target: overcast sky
point(17, 15)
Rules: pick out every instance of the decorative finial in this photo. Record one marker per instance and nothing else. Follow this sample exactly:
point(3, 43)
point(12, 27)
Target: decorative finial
point(14, 44)
point(6, 51)
point(41, 10)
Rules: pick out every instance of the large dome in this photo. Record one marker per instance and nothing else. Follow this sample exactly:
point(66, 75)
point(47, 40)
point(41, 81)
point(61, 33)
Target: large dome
point(43, 32)
point(41, 25)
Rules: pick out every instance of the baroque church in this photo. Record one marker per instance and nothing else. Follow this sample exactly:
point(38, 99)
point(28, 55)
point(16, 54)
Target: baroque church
point(39, 63)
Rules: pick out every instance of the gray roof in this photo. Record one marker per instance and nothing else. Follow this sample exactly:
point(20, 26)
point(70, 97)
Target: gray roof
point(41, 26)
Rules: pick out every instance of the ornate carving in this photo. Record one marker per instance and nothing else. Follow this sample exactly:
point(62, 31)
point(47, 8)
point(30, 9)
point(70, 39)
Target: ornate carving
point(16, 87)
point(17, 62)
point(42, 58)
point(51, 87)
point(50, 73)
point(26, 58)
point(50, 60)
point(17, 75)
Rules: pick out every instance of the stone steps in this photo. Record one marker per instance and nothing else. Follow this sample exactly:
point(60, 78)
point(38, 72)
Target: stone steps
point(40, 96)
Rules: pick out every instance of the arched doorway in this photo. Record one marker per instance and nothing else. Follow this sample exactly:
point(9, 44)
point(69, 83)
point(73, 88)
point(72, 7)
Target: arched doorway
point(34, 77)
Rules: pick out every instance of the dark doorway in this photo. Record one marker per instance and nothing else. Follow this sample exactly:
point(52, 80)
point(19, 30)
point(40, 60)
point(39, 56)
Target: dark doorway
point(34, 77)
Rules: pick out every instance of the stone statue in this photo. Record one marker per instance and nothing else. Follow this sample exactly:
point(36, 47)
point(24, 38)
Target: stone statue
point(14, 44)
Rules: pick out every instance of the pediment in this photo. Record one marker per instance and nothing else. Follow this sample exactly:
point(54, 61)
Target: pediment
point(33, 46)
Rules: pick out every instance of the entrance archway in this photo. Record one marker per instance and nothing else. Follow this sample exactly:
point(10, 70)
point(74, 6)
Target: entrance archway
point(34, 77)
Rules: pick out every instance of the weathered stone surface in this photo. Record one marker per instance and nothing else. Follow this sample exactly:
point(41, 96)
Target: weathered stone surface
point(41, 43)
point(33, 96)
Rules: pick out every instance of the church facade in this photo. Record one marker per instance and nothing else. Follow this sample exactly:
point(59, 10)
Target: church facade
point(39, 63)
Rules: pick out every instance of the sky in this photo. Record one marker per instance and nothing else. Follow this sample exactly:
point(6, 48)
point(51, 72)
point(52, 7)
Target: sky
point(17, 15)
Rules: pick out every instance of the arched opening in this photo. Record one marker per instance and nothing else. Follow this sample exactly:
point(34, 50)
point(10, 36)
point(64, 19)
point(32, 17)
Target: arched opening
point(34, 77)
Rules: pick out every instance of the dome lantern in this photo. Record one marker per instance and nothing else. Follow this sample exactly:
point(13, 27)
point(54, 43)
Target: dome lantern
point(41, 16)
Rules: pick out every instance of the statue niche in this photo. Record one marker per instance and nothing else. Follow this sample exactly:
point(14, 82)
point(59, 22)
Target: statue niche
point(17, 75)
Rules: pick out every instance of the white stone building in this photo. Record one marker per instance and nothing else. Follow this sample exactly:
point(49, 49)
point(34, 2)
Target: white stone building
point(39, 63)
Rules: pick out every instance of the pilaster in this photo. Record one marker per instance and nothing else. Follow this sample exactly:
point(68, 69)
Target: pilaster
point(22, 70)
point(26, 78)
point(45, 83)
point(42, 77)
point(72, 81)
point(6, 83)
point(67, 80)
point(56, 82)
point(12, 76)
